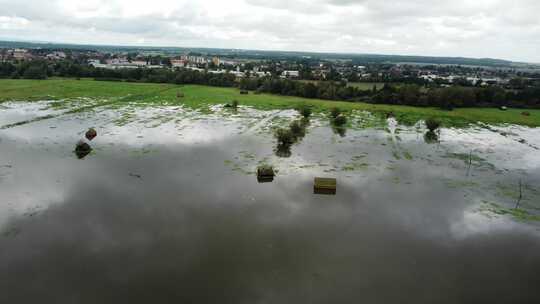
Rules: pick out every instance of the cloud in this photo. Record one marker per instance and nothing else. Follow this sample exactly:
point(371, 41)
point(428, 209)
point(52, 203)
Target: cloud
point(483, 28)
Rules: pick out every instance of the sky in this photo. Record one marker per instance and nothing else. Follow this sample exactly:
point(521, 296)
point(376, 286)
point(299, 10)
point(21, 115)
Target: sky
point(469, 28)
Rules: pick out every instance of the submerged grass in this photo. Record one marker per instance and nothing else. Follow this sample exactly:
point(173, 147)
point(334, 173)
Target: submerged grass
point(518, 214)
point(200, 97)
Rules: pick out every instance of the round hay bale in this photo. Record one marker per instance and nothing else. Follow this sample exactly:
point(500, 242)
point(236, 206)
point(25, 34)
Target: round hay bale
point(91, 134)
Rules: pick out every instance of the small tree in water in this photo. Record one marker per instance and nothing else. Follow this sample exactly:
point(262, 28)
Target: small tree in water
point(432, 124)
point(285, 137)
point(298, 129)
point(340, 120)
point(335, 112)
point(305, 111)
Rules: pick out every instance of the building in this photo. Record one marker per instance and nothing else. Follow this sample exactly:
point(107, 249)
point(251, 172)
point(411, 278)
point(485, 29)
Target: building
point(290, 74)
point(56, 55)
point(140, 63)
point(194, 59)
point(178, 63)
point(21, 54)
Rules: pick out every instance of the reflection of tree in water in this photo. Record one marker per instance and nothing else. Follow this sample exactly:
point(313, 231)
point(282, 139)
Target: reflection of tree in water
point(287, 137)
point(283, 151)
point(82, 149)
point(338, 122)
point(340, 130)
point(431, 137)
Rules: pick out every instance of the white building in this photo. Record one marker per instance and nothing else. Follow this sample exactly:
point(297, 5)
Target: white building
point(290, 74)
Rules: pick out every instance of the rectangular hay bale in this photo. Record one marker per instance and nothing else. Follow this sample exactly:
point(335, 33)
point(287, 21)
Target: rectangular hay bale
point(324, 185)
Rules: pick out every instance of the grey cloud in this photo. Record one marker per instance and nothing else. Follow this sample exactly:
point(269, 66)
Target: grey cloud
point(484, 28)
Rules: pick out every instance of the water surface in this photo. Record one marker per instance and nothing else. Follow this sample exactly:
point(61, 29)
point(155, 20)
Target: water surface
point(167, 208)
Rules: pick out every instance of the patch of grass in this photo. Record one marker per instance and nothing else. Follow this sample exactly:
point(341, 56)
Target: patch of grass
point(461, 184)
point(354, 166)
point(364, 120)
point(407, 155)
point(510, 191)
point(200, 97)
point(477, 161)
point(518, 214)
point(125, 119)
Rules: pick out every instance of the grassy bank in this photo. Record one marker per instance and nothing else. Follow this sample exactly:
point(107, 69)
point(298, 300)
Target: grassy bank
point(201, 96)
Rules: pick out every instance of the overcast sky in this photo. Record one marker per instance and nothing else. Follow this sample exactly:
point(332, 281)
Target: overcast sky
point(471, 28)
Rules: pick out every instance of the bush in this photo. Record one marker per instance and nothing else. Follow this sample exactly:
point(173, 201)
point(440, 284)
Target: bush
point(285, 137)
point(305, 111)
point(35, 72)
point(335, 112)
point(432, 124)
point(297, 129)
point(340, 120)
point(233, 105)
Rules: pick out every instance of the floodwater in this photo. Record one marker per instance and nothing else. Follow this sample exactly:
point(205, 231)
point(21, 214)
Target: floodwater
point(167, 209)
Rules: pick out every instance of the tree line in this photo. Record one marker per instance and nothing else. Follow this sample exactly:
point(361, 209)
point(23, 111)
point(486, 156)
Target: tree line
point(41, 69)
point(399, 94)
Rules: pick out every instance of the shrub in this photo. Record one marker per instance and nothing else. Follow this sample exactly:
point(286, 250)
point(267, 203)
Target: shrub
point(305, 111)
point(335, 112)
point(285, 137)
point(35, 72)
point(297, 128)
point(340, 120)
point(432, 124)
point(233, 105)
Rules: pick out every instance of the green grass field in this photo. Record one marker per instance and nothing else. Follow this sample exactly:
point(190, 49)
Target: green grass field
point(201, 96)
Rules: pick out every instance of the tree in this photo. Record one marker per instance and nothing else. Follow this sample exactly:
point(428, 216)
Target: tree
point(166, 62)
point(35, 72)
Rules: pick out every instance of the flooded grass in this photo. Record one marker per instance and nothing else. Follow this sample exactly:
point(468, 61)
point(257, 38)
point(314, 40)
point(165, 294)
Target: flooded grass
point(171, 193)
point(493, 209)
point(201, 97)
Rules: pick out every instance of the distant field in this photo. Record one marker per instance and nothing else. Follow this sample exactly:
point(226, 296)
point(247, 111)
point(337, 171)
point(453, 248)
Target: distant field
point(201, 96)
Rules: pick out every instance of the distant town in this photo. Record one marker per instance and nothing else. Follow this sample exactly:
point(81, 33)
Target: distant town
point(296, 68)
